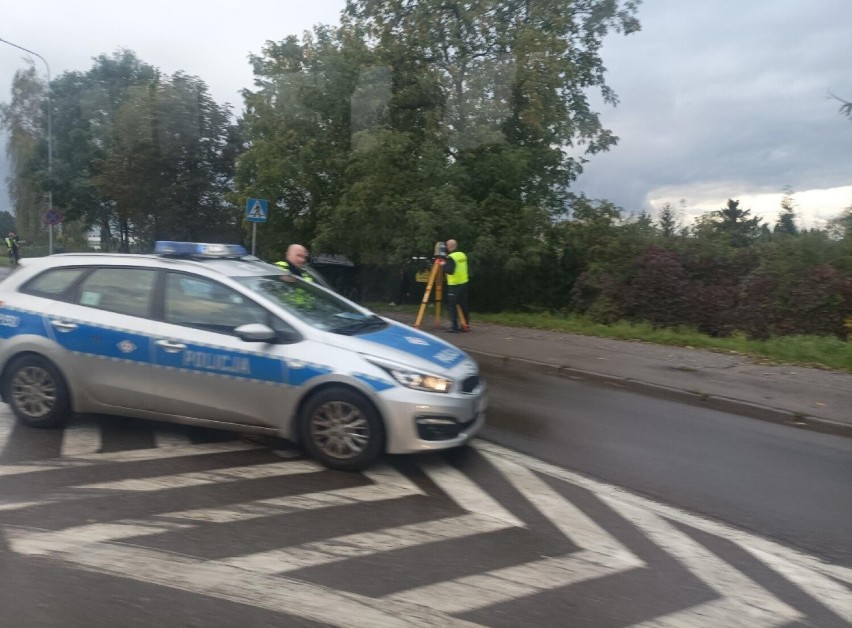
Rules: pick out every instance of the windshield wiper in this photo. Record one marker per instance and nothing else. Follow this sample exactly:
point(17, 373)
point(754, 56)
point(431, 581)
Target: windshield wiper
point(374, 322)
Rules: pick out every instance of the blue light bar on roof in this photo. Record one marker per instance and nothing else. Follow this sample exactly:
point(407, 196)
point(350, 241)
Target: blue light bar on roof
point(198, 249)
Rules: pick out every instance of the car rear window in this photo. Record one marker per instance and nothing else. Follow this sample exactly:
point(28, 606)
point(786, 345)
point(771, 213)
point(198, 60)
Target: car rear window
point(53, 283)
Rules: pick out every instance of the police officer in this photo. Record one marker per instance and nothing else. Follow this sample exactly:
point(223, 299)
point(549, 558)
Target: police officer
point(295, 261)
point(455, 269)
point(12, 245)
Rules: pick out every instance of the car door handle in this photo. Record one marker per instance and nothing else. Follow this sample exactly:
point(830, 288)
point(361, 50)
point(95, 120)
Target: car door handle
point(64, 326)
point(171, 346)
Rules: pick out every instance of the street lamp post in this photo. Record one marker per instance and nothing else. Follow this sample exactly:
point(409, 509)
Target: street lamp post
point(49, 138)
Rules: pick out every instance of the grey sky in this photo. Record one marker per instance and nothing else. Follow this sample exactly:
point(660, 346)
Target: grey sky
point(719, 99)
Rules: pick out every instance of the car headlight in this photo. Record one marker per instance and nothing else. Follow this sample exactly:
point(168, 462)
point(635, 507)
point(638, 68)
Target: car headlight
point(415, 379)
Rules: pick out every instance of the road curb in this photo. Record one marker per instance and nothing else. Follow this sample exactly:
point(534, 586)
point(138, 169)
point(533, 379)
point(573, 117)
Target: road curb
point(694, 398)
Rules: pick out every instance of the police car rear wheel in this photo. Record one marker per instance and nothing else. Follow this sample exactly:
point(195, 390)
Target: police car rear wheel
point(342, 429)
point(36, 392)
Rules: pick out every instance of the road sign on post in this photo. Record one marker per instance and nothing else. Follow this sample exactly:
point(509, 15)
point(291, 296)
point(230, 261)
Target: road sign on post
point(52, 217)
point(257, 210)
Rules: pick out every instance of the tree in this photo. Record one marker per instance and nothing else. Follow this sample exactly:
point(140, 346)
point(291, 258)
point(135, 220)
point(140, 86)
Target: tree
point(141, 156)
point(24, 119)
point(668, 221)
point(732, 224)
point(786, 222)
point(168, 166)
point(417, 121)
point(845, 106)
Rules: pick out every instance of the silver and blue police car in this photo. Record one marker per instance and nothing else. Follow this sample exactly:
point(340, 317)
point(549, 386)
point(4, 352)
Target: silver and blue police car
point(205, 334)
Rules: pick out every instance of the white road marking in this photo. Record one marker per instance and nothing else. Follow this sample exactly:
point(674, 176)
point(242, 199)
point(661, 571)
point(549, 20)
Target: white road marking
point(365, 544)
point(200, 478)
point(79, 538)
point(170, 438)
point(467, 494)
point(388, 484)
point(669, 512)
point(156, 453)
point(7, 424)
point(81, 439)
point(132, 455)
point(823, 589)
point(20, 469)
point(569, 519)
point(604, 556)
point(247, 578)
point(743, 600)
point(225, 582)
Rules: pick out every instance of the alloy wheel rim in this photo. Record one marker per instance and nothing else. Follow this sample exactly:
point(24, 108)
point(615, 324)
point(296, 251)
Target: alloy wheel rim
point(33, 391)
point(340, 430)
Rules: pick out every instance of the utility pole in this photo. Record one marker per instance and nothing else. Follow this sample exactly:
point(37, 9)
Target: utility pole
point(49, 137)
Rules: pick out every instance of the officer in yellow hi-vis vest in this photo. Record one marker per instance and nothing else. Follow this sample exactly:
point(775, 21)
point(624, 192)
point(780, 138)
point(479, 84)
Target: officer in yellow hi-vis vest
point(455, 269)
point(295, 261)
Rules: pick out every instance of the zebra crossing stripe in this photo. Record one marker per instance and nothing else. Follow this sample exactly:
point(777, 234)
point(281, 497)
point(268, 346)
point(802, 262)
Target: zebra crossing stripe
point(567, 518)
point(80, 440)
point(741, 596)
point(388, 484)
point(604, 556)
point(214, 579)
point(366, 544)
point(6, 427)
point(129, 455)
point(165, 439)
point(821, 588)
point(156, 453)
point(467, 494)
point(200, 478)
point(668, 512)
point(20, 469)
point(81, 538)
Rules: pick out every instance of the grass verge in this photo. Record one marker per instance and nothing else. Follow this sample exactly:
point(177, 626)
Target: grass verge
point(816, 351)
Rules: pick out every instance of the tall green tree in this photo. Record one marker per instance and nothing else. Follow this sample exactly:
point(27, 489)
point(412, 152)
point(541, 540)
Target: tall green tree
point(169, 165)
point(732, 224)
point(298, 124)
point(25, 120)
point(86, 105)
point(786, 222)
point(502, 87)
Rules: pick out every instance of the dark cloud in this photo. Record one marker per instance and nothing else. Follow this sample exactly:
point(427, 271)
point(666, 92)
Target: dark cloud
point(729, 96)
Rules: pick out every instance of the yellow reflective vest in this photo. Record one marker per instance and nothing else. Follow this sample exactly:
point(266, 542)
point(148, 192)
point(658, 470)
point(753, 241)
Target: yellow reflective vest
point(460, 274)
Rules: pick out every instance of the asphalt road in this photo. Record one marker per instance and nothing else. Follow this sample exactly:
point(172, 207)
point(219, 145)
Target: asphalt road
point(581, 506)
point(788, 484)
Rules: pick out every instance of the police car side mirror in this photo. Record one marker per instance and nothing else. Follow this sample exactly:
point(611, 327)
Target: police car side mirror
point(255, 332)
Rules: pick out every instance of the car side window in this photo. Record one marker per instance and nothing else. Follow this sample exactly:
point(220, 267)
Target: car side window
point(54, 283)
point(204, 304)
point(122, 290)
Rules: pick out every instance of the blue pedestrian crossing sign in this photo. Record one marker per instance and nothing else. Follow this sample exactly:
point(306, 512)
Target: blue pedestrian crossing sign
point(257, 209)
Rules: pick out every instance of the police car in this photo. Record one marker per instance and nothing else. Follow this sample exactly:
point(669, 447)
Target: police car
point(205, 334)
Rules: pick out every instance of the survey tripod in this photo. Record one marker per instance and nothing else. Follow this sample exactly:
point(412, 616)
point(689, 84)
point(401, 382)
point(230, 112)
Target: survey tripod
point(436, 282)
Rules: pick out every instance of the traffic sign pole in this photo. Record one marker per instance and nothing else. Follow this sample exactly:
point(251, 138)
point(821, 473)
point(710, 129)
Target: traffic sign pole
point(257, 210)
point(52, 217)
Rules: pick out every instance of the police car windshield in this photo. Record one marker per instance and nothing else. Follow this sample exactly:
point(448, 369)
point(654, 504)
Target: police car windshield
point(315, 306)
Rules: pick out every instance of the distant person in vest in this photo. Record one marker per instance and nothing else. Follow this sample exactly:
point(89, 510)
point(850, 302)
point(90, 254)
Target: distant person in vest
point(12, 245)
point(455, 270)
point(295, 261)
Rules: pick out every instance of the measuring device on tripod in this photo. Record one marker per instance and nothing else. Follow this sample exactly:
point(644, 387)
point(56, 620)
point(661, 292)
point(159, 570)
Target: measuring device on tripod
point(436, 282)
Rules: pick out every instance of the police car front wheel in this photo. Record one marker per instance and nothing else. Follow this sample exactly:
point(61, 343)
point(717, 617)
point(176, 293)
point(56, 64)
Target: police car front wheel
point(342, 429)
point(36, 392)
